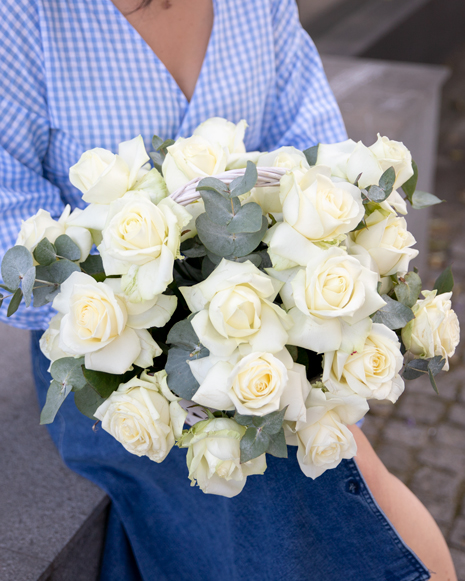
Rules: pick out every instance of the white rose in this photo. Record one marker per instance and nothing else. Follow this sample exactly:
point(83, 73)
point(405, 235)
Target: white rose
point(323, 439)
point(234, 305)
point(387, 241)
point(371, 372)
point(395, 203)
point(42, 225)
point(214, 457)
point(103, 176)
point(268, 198)
point(190, 158)
point(435, 330)
point(139, 233)
point(393, 154)
point(96, 325)
point(256, 384)
point(50, 341)
point(142, 418)
point(333, 293)
point(228, 135)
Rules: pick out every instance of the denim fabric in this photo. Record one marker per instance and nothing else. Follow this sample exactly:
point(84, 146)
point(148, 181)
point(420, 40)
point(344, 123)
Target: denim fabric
point(283, 526)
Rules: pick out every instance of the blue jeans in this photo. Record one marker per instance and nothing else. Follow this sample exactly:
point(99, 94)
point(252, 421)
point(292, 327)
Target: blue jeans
point(283, 526)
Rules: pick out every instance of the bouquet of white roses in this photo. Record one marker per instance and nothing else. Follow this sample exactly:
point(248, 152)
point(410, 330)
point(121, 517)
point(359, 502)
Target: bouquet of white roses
point(261, 298)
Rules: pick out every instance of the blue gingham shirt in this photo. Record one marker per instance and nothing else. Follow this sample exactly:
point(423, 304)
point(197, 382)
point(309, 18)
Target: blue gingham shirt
point(74, 74)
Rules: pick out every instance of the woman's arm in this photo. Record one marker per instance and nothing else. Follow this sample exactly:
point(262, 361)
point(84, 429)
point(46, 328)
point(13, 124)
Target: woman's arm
point(407, 514)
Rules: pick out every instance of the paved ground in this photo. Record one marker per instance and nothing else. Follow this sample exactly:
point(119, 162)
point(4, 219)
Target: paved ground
point(422, 438)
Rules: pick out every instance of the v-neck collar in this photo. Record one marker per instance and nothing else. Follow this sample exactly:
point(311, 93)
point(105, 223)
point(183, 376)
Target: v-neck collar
point(184, 102)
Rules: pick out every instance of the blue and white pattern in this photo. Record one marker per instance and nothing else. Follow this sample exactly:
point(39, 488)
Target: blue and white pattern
point(74, 74)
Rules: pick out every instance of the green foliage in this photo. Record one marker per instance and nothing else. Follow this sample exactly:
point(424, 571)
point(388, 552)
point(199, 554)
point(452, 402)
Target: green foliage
point(408, 290)
point(16, 262)
point(215, 185)
point(50, 278)
point(106, 383)
point(56, 395)
point(248, 218)
point(87, 401)
point(15, 302)
point(263, 434)
point(66, 248)
point(411, 185)
point(160, 147)
point(219, 209)
point(244, 184)
point(418, 367)
point(312, 154)
point(93, 266)
point(45, 253)
point(193, 248)
point(383, 190)
point(68, 372)
point(445, 282)
point(27, 285)
point(422, 200)
point(185, 347)
point(394, 315)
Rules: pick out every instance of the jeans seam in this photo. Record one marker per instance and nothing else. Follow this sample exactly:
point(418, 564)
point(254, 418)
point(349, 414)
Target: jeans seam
point(418, 565)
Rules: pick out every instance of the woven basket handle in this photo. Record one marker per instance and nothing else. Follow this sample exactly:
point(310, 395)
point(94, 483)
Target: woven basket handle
point(267, 176)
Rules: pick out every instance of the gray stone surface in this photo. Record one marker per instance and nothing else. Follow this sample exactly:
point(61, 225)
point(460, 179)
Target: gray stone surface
point(43, 504)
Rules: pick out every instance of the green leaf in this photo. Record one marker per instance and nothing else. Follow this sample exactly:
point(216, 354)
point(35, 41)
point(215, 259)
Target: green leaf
point(312, 154)
point(436, 364)
point(244, 184)
point(432, 381)
point(106, 383)
point(411, 185)
point(164, 145)
point(193, 248)
point(56, 395)
point(248, 218)
point(15, 302)
point(66, 248)
point(408, 290)
point(57, 272)
point(157, 160)
point(28, 284)
point(68, 372)
point(293, 350)
point(207, 267)
point(16, 262)
point(87, 401)
point(44, 294)
point(277, 446)
point(219, 209)
point(93, 266)
point(274, 421)
point(415, 368)
point(214, 185)
point(222, 243)
point(394, 315)
point(45, 253)
point(1, 299)
point(445, 282)
point(4, 287)
point(387, 180)
point(254, 443)
point(156, 142)
point(376, 194)
point(422, 200)
point(186, 347)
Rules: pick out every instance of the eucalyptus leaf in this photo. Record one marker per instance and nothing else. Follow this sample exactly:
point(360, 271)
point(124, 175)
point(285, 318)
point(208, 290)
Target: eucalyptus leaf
point(67, 248)
point(157, 160)
point(207, 267)
point(445, 282)
point(394, 315)
point(422, 200)
point(408, 290)
point(254, 443)
point(93, 265)
point(14, 302)
point(44, 252)
point(415, 368)
point(274, 422)
point(436, 364)
point(218, 240)
point(16, 262)
point(219, 209)
point(28, 284)
point(56, 395)
point(433, 381)
point(180, 379)
point(156, 142)
point(411, 185)
point(214, 185)
point(244, 184)
point(44, 293)
point(87, 401)
point(57, 272)
point(193, 248)
point(312, 154)
point(1, 299)
point(68, 372)
point(106, 383)
point(387, 180)
point(277, 446)
point(376, 194)
point(248, 218)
